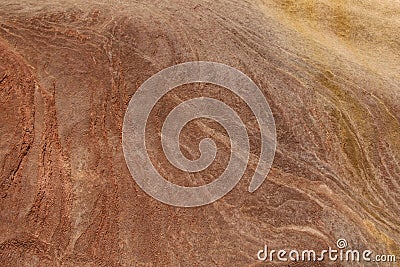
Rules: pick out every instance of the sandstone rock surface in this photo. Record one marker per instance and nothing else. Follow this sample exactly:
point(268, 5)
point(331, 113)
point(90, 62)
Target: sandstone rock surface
point(330, 71)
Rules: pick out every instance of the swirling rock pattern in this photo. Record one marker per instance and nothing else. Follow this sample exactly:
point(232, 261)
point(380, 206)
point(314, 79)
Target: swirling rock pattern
point(329, 69)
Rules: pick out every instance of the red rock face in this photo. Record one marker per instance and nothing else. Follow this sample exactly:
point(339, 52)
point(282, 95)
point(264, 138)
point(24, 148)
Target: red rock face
point(330, 73)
